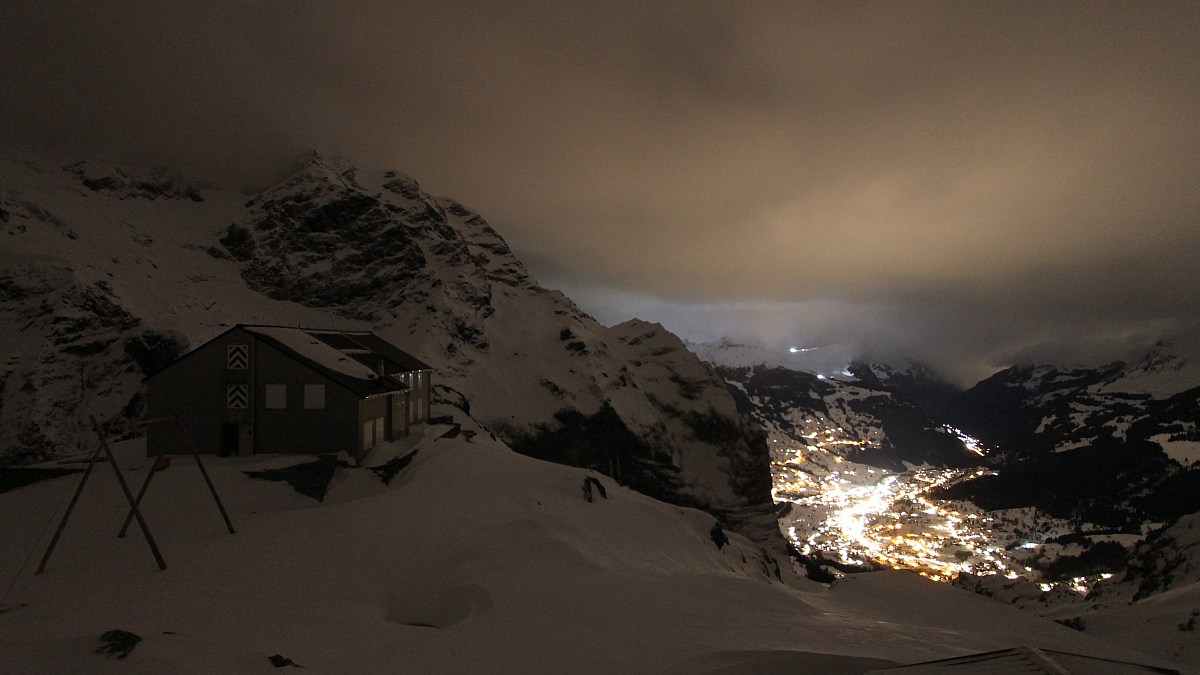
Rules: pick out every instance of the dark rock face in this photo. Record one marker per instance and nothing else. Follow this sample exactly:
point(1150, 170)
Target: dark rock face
point(604, 442)
point(118, 643)
point(324, 240)
point(744, 447)
point(429, 274)
point(329, 250)
point(238, 242)
point(118, 182)
point(66, 362)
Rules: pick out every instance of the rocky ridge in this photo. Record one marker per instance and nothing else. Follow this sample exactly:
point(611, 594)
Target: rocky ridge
point(107, 275)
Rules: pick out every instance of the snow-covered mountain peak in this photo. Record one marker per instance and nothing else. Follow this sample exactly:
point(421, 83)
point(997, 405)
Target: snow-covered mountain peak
point(1160, 373)
point(637, 331)
point(93, 278)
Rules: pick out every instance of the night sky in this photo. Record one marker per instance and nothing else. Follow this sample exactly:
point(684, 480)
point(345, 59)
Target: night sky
point(972, 184)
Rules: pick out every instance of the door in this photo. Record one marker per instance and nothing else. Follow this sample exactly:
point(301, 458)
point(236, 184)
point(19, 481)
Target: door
point(229, 439)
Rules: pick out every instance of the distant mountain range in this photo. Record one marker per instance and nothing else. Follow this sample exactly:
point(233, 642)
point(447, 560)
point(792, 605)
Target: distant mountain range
point(1116, 445)
point(867, 420)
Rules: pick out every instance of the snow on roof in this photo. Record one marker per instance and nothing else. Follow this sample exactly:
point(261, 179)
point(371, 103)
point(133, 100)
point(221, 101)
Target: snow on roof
point(310, 348)
point(1026, 660)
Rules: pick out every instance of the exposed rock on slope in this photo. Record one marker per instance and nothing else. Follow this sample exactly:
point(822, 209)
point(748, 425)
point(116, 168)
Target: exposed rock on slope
point(107, 263)
point(544, 376)
point(69, 356)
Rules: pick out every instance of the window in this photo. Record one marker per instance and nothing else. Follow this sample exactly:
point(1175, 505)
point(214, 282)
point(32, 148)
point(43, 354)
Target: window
point(276, 396)
point(314, 396)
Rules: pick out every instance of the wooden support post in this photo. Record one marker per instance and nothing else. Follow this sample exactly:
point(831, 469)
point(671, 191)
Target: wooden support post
point(208, 481)
point(162, 462)
point(158, 465)
point(137, 514)
point(70, 507)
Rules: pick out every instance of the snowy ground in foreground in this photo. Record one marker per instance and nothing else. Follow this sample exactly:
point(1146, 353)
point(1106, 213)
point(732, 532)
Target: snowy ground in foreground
point(474, 559)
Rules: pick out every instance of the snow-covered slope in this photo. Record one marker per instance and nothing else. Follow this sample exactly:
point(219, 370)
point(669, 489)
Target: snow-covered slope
point(101, 281)
point(1159, 374)
point(108, 272)
point(473, 559)
point(1155, 602)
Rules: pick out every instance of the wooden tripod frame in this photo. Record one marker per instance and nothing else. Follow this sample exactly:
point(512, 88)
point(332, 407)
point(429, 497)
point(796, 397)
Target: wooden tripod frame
point(134, 510)
point(102, 447)
point(158, 466)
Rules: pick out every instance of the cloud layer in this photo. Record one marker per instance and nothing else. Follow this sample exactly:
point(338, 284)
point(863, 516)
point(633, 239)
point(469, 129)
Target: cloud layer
point(971, 184)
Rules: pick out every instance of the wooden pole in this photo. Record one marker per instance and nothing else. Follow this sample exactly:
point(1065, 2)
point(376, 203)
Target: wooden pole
point(137, 514)
point(154, 468)
point(70, 507)
point(157, 467)
point(211, 488)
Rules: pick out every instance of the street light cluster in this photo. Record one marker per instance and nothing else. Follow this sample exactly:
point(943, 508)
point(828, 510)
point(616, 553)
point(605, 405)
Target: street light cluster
point(858, 517)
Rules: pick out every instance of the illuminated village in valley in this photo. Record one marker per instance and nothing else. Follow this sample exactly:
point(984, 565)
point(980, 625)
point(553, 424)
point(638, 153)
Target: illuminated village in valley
point(855, 517)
